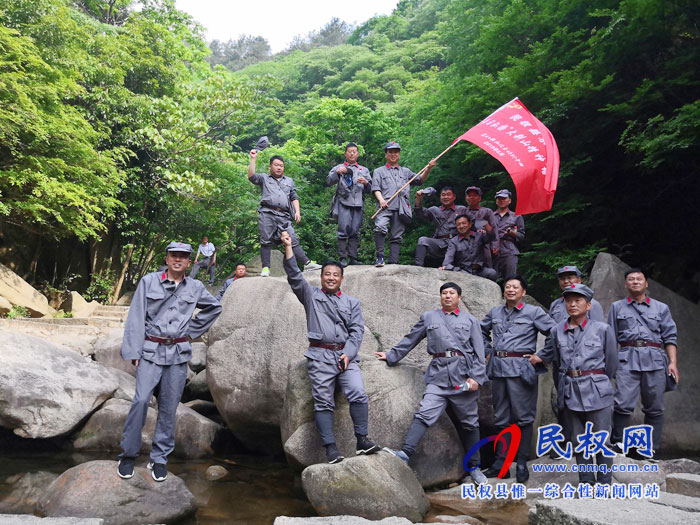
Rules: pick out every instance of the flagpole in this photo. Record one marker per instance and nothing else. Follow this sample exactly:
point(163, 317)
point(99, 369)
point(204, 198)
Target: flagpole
point(414, 178)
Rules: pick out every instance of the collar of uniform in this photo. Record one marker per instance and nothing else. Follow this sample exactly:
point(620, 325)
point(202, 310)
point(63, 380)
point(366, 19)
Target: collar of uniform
point(508, 212)
point(390, 168)
point(454, 312)
point(356, 164)
point(520, 305)
point(477, 208)
point(450, 208)
point(581, 326)
point(471, 234)
point(646, 301)
point(164, 277)
point(338, 293)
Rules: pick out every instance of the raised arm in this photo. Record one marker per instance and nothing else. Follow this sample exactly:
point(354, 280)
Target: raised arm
point(209, 310)
point(299, 286)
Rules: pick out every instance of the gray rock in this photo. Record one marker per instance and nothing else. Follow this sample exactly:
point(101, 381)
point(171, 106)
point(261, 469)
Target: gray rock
point(395, 394)
point(45, 389)
point(680, 465)
point(199, 357)
point(678, 501)
point(201, 406)
point(372, 487)
point(79, 307)
point(195, 435)
point(94, 490)
point(19, 292)
point(688, 484)
point(215, 472)
point(645, 473)
point(682, 422)
point(108, 352)
point(24, 493)
point(339, 520)
point(125, 299)
point(456, 519)
point(5, 306)
point(598, 512)
point(250, 352)
point(254, 266)
point(127, 386)
point(30, 519)
point(198, 387)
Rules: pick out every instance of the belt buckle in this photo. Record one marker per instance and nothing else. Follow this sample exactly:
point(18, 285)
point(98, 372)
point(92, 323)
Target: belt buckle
point(639, 343)
point(575, 373)
point(451, 353)
point(500, 354)
point(169, 341)
point(336, 346)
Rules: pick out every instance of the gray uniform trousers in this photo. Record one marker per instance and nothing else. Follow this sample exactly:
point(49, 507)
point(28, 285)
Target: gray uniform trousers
point(323, 378)
point(431, 246)
point(514, 400)
point(486, 273)
point(574, 423)
point(506, 265)
point(381, 229)
point(349, 223)
point(436, 398)
point(630, 383)
point(270, 226)
point(172, 382)
point(203, 263)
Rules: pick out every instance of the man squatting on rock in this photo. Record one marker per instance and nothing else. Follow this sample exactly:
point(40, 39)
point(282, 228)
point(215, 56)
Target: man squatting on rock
point(465, 252)
point(514, 381)
point(157, 337)
point(353, 182)
point(443, 218)
point(584, 354)
point(335, 328)
point(279, 205)
point(453, 377)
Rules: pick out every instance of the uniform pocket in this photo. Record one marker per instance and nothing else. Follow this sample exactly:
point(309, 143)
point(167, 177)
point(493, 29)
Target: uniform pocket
point(603, 385)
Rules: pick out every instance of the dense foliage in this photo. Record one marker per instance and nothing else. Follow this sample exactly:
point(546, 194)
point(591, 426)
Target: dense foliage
point(120, 129)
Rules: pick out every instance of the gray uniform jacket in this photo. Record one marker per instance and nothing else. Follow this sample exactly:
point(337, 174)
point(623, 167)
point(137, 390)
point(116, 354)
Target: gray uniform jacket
point(591, 346)
point(442, 218)
point(658, 327)
point(513, 331)
point(557, 311)
point(446, 332)
point(350, 196)
point(227, 283)
point(161, 309)
point(466, 252)
point(329, 318)
point(275, 192)
point(507, 244)
point(482, 216)
point(389, 180)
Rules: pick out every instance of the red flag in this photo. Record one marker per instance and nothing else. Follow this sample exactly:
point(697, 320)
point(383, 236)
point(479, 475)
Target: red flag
point(526, 148)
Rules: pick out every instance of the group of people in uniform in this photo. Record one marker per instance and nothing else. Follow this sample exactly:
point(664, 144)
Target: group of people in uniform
point(600, 368)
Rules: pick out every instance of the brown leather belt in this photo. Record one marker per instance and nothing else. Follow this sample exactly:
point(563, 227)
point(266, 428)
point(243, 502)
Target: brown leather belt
point(581, 373)
point(510, 354)
point(640, 343)
point(448, 236)
point(451, 353)
point(166, 340)
point(329, 346)
point(276, 208)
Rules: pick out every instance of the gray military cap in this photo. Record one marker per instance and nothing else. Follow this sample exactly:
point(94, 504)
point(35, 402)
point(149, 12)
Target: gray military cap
point(580, 289)
point(504, 193)
point(262, 143)
point(474, 188)
point(392, 145)
point(569, 269)
point(179, 247)
point(428, 191)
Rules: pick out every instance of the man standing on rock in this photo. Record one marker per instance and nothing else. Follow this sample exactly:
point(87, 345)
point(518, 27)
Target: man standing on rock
point(208, 253)
point(241, 271)
point(454, 375)
point(386, 181)
point(480, 217)
point(157, 337)
point(443, 217)
point(648, 342)
point(567, 276)
point(511, 230)
point(279, 205)
point(513, 379)
point(335, 328)
point(584, 351)
point(465, 252)
point(353, 182)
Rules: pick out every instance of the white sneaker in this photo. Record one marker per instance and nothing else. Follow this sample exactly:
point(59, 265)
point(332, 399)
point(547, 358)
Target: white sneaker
point(265, 272)
point(312, 265)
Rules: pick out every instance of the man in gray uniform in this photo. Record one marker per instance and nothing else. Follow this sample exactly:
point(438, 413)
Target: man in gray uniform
point(335, 328)
point(584, 351)
point(514, 381)
point(279, 204)
point(481, 216)
point(443, 218)
point(511, 230)
point(241, 271)
point(567, 276)
point(208, 253)
point(453, 377)
point(465, 252)
point(648, 342)
point(157, 337)
point(396, 214)
point(353, 182)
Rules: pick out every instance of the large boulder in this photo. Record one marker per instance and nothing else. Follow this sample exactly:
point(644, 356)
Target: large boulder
point(46, 390)
point(5, 306)
point(80, 308)
point(19, 292)
point(254, 266)
point(93, 489)
point(395, 394)
point(24, 492)
point(262, 331)
point(372, 487)
point(195, 435)
point(199, 357)
point(682, 421)
point(108, 352)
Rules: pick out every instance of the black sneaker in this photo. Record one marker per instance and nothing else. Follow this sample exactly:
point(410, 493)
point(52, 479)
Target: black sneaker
point(343, 262)
point(379, 262)
point(333, 454)
point(522, 474)
point(354, 262)
point(158, 471)
point(125, 468)
point(492, 472)
point(365, 446)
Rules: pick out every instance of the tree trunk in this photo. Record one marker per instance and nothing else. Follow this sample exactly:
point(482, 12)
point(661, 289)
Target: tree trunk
point(118, 286)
